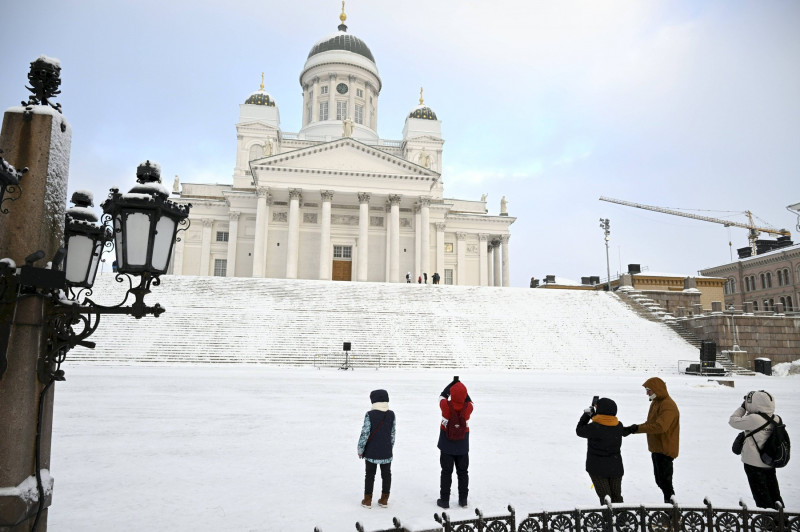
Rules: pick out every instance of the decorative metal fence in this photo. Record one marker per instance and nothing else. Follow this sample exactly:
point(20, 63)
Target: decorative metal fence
point(620, 518)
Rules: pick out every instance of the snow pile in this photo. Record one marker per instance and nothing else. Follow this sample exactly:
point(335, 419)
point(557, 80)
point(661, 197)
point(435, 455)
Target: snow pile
point(786, 368)
point(27, 489)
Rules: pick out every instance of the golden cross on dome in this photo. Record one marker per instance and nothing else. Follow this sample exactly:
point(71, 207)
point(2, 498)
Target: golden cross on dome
point(420, 96)
point(342, 17)
point(262, 81)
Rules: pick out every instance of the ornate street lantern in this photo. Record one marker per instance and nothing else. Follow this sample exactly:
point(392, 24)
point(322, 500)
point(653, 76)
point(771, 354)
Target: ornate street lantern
point(145, 223)
point(9, 180)
point(84, 240)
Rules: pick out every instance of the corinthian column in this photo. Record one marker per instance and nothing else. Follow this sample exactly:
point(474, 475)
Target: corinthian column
point(387, 247)
point(325, 236)
point(233, 234)
point(440, 248)
point(205, 246)
point(483, 261)
point(425, 234)
point(461, 267)
point(504, 241)
point(362, 274)
point(260, 243)
point(394, 259)
point(417, 243)
point(293, 244)
point(497, 269)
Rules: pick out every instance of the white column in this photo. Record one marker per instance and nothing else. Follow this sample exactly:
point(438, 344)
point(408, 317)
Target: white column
point(315, 101)
point(325, 236)
point(417, 243)
point(506, 276)
point(489, 261)
point(233, 234)
point(306, 105)
point(177, 255)
point(260, 243)
point(367, 106)
point(205, 246)
point(440, 249)
point(293, 244)
point(496, 268)
point(363, 237)
point(425, 233)
point(388, 223)
point(394, 264)
point(331, 96)
point(351, 103)
point(483, 261)
point(461, 267)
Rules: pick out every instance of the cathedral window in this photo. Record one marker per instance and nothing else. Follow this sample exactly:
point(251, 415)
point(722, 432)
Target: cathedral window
point(220, 267)
point(323, 110)
point(323, 89)
point(342, 252)
point(341, 110)
point(360, 93)
point(222, 236)
point(448, 277)
point(359, 118)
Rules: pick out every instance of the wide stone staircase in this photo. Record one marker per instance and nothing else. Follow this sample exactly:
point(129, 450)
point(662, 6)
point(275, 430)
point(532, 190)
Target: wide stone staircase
point(305, 323)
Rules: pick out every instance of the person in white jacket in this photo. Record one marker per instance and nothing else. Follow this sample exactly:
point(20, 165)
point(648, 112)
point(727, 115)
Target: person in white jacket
point(753, 418)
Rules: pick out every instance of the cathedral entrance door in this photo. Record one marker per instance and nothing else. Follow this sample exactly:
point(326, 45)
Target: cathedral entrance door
point(342, 269)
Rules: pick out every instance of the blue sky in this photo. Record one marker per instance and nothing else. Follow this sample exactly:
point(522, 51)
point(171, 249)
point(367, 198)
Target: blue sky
point(680, 104)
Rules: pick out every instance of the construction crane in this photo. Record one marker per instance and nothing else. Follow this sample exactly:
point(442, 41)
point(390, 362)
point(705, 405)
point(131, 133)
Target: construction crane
point(752, 236)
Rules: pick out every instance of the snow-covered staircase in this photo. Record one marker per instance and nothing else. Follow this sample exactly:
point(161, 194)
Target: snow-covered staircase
point(302, 322)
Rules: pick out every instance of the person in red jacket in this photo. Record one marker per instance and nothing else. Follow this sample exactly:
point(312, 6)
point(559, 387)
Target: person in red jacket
point(456, 407)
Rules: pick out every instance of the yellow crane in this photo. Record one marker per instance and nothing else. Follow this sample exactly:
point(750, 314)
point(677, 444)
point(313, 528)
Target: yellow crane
point(753, 233)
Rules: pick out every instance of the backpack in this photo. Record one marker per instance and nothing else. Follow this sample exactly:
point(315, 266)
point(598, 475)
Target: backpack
point(776, 450)
point(456, 426)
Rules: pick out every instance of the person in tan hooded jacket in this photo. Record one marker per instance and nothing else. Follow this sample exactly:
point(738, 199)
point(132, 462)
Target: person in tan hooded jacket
point(663, 432)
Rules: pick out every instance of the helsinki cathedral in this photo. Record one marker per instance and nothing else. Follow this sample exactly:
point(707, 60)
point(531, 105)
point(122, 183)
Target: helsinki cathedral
point(334, 201)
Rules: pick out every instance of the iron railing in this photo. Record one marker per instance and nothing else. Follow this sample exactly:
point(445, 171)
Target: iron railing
point(620, 518)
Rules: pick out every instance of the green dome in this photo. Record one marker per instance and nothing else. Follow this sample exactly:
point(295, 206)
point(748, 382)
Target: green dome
point(424, 112)
point(260, 98)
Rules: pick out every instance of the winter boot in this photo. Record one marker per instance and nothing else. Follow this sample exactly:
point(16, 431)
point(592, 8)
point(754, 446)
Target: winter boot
point(443, 503)
point(367, 501)
point(462, 501)
point(383, 502)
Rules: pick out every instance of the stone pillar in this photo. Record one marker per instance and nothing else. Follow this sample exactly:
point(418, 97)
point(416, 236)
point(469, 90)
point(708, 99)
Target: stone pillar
point(205, 246)
point(177, 255)
point(489, 262)
point(315, 101)
point(363, 236)
point(506, 267)
point(697, 309)
point(306, 105)
point(497, 268)
point(40, 142)
point(293, 239)
point(387, 246)
point(440, 227)
point(351, 109)
point(748, 307)
point(425, 235)
point(325, 236)
point(417, 242)
point(331, 96)
point(260, 243)
point(394, 259)
point(367, 106)
point(779, 308)
point(461, 257)
point(233, 235)
point(483, 261)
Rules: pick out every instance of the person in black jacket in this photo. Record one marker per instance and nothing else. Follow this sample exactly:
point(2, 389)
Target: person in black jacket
point(603, 456)
point(375, 447)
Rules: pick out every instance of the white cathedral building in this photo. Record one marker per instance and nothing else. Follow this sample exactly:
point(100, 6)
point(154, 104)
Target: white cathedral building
point(334, 201)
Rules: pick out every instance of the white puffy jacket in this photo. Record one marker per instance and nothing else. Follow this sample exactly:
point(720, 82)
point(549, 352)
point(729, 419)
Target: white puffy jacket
point(748, 420)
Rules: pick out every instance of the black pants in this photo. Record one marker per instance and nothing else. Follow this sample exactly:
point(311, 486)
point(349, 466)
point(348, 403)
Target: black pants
point(611, 486)
point(461, 463)
point(763, 485)
point(369, 477)
point(662, 469)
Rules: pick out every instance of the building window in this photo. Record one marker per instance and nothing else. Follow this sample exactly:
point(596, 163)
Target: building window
point(323, 111)
point(755, 306)
point(733, 286)
point(746, 284)
point(789, 306)
point(222, 236)
point(341, 110)
point(220, 267)
point(769, 279)
point(360, 93)
point(359, 114)
point(343, 252)
point(323, 89)
point(448, 277)
point(763, 281)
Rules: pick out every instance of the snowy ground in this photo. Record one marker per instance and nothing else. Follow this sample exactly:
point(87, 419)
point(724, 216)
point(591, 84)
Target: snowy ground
point(245, 448)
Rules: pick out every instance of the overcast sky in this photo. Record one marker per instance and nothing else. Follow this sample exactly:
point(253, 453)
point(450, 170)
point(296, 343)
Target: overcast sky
point(682, 104)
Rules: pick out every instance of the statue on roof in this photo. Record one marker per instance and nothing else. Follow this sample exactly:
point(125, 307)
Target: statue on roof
point(348, 127)
point(425, 158)
point(483, 196)
point(176, 185)
point(503, 206)
point(268, 147)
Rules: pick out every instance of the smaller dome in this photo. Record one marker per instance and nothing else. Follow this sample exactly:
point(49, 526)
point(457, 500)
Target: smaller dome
point(422, 111)
point(260, 97)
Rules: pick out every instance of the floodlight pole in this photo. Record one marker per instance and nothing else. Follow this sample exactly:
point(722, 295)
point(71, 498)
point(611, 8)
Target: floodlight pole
point(605, 225)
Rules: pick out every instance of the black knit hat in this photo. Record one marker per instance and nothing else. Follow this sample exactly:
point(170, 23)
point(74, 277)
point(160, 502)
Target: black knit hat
point(382, 396)
point(606, 407)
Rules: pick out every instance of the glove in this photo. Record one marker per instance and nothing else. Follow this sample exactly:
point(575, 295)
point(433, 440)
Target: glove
point(360, 455)
point(589, 411)
point(631, 429)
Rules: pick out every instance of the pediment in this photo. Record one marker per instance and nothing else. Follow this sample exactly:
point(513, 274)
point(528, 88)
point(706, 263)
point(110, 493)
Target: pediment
point(344, 155)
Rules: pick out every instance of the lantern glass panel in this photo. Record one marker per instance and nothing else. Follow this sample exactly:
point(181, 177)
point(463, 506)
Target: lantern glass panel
point(137, 236)
point(118, 240)
point(98, 248)
point(80, 251)
point(165, 234)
